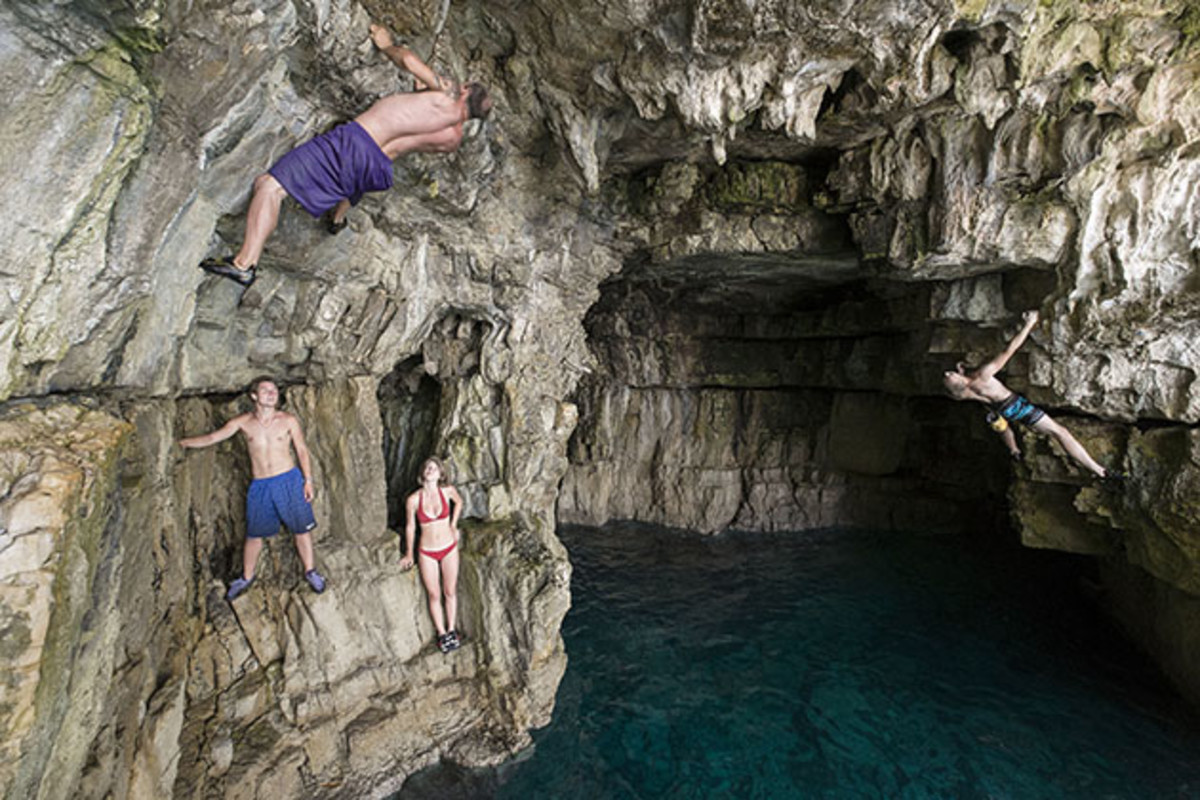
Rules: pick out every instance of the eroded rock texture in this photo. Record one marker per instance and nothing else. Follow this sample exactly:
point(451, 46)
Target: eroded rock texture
point(736, 241)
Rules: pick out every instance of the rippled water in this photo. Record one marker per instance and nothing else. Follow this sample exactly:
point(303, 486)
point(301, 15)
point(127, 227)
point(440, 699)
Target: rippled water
point(838, 665)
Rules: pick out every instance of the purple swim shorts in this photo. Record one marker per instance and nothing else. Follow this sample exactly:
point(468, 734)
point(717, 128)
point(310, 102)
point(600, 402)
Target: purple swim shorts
point(344, 163)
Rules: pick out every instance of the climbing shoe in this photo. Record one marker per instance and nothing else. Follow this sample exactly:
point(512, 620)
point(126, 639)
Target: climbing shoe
point(226, 269)
point(452, 642)
point(335, 226)
point(1114, 477)
point(236, 588)
point(315, 580)
point(444, 643)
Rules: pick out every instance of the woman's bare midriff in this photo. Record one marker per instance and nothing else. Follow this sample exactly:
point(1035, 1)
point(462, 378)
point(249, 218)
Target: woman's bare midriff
point(436, 535)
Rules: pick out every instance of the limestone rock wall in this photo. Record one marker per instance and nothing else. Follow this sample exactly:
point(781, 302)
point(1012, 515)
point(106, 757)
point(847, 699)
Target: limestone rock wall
point(773, 423)
point(134, 137)
point(57, 480)
point(755, 171)
point(135, 677)
point(1050, 142)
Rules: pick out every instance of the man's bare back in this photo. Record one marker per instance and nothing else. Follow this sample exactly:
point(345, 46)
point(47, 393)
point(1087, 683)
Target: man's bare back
point(411, 114)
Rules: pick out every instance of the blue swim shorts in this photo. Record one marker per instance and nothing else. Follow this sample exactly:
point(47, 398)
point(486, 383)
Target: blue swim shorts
point(1017, 409)
point(275, 500)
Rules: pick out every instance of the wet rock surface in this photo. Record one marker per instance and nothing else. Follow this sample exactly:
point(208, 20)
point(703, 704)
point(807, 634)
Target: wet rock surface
point(729, 246)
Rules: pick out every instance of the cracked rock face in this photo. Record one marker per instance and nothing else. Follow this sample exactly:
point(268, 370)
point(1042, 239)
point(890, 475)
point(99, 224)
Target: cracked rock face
point(727, 246)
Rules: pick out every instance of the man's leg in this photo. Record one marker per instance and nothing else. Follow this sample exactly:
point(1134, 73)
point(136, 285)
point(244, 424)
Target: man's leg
point(261, 219)
point(304, 548)
point(339, 212)
point(250, 553)
point(335, 220)
point(250, 550)
point(433, 591)
point(1069, 443)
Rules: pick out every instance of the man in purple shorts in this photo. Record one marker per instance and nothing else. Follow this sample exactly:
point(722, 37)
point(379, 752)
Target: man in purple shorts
point(334, 170)
point(1007, 406)
point(279, 493)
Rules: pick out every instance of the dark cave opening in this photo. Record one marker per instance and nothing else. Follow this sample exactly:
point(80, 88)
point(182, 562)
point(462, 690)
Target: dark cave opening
point(409, 401)
point(733, 394)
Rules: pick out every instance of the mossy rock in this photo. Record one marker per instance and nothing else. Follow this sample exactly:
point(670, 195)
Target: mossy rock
point(760, 185)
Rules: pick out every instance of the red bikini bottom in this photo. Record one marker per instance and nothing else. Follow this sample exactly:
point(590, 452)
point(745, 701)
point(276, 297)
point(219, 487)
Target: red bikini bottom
point(438, 555)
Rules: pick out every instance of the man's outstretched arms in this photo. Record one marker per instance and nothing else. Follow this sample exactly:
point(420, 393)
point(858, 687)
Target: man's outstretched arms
point(219, 435)
point(996, 364)
point(406, 59)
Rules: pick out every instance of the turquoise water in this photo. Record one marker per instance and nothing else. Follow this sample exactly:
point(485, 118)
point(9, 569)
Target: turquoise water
point(839, 665)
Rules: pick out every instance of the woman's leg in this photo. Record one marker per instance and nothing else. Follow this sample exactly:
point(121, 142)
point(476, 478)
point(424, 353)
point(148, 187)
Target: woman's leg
point(1074, 449)
point(450, 587)
point(433, 590)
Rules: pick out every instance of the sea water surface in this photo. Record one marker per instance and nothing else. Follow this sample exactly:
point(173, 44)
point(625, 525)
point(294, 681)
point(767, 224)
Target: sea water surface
point(839, 664)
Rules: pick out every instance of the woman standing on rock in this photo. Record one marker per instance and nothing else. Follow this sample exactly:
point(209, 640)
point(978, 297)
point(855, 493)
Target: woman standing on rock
point(431, 506)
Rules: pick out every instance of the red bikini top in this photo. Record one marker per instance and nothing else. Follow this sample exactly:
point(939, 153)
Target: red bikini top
point(424, 518)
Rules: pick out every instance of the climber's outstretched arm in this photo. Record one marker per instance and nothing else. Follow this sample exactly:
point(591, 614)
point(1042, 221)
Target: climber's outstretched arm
point(407, 60)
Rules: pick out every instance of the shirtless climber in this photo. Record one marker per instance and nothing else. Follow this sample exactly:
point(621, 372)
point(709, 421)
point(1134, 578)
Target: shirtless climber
point(1008, 406)
point(334, 170)
point(279, 492)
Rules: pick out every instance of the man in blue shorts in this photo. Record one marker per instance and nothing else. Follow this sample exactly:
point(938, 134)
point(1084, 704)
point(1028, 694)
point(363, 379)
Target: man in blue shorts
point(334, 170)
point(279, 493)
point(1009, 407)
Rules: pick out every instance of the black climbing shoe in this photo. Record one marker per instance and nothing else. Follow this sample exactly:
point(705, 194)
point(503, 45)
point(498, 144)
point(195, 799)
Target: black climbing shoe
point(226, 269)
point(1114, 477)
point(443, 643)
point(335, 226)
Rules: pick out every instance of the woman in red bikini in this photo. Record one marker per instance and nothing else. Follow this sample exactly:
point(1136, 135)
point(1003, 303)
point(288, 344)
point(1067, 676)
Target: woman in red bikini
point(438, 554)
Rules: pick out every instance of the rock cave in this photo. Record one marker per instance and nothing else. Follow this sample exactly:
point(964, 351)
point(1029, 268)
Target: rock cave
point(702, 267)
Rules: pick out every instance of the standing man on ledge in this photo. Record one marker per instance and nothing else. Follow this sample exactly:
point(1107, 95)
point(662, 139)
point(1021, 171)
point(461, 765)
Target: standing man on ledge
point(279, 492)
point(334, 170)
point(1009, 407)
